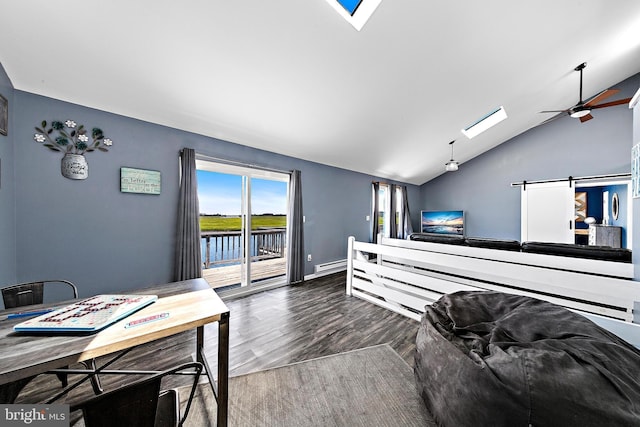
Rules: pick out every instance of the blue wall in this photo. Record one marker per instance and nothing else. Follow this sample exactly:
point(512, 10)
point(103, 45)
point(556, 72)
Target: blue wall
point(104, 240)
point(594, 204)
point(7, 193)
point(564, 147)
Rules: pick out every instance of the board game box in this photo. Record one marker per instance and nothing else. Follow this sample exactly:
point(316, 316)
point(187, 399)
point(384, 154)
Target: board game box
point(89, 315)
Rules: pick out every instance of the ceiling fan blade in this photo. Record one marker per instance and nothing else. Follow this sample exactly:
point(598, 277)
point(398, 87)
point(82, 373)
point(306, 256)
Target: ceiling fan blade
point(612, 103)
point(600, 97)
point(555, 111)
point(586, 118)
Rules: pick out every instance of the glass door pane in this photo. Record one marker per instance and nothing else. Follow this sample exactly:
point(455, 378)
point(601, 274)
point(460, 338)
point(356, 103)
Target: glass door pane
point(383, 207)
point(221, 220)
point(268, 229)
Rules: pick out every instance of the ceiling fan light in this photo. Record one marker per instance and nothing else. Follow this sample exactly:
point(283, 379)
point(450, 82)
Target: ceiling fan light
point(580, 113)
point(451, 166)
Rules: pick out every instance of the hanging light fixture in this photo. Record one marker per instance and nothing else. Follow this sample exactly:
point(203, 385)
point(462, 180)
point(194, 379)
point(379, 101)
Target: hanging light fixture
point(451, 165)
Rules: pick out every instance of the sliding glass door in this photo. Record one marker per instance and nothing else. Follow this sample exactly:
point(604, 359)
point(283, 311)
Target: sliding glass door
point(243, 223)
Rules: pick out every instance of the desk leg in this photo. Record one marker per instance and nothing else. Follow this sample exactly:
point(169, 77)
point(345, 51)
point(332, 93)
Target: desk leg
point(223, 370)
point(221, 392)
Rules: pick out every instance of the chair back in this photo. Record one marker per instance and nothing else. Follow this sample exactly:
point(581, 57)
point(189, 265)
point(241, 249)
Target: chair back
point(134, 407)
point(137, 404)
point(24, 294)
point(30, 293)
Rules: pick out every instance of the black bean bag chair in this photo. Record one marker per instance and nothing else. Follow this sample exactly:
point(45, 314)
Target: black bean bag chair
point(494, 359)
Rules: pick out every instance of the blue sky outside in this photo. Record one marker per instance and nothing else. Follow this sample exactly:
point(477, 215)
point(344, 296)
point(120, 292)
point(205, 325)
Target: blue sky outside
point(220, 193)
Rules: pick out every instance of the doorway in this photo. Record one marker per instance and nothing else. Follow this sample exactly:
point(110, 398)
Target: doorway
point(243, 221)
point(578, 211)
point(608, 206)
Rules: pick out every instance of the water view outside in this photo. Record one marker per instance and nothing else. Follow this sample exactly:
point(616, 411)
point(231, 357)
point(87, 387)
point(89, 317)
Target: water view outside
point(224, 241)
point(220, 197)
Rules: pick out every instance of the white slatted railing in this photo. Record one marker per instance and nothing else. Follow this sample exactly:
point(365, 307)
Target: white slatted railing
point(407, 275)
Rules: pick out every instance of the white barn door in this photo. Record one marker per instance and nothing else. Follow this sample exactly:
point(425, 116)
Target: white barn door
point(548, 212)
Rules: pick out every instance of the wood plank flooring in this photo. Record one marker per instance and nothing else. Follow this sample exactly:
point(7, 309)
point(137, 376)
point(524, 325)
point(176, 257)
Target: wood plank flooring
point(315, 319)
point(269, 329)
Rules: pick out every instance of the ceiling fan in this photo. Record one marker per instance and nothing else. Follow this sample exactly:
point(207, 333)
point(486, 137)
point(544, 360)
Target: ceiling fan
point(582, 110)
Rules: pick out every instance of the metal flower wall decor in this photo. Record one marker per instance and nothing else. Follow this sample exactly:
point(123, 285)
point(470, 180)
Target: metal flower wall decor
point(73, 141)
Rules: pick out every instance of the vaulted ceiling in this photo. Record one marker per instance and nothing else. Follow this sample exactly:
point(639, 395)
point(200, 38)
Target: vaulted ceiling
point(293, 77)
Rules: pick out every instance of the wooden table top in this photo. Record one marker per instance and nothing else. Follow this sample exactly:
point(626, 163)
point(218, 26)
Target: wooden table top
point(190, 304)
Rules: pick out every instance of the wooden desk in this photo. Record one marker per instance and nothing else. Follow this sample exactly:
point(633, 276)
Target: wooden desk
point(190, 304)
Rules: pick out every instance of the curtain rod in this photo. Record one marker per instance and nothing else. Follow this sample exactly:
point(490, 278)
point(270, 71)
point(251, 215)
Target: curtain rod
point(573, 178)
point(388, 183)
point(239, 163)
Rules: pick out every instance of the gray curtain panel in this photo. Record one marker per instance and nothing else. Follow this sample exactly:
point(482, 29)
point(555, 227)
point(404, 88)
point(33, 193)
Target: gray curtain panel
point(295, 236)
point(188, 253)
point(393, 207)
point(405, 216)
point(375, 212)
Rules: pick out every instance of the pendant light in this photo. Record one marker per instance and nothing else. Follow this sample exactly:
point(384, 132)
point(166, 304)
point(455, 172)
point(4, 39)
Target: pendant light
point(451, 165)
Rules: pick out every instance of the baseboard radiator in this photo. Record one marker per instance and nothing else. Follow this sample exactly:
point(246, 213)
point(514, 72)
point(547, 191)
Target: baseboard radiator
point(330, 267)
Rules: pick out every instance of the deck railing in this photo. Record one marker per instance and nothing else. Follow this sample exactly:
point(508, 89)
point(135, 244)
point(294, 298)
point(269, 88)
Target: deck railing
point(225, 247)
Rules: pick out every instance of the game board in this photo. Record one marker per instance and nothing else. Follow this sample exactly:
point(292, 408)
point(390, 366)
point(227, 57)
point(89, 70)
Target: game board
point(89, 315)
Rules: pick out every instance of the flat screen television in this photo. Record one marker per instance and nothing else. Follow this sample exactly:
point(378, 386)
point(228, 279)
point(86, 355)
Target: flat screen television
point(442, 222)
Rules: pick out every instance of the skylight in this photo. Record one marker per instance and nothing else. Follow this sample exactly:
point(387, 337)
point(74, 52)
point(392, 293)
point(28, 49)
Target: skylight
point(350, 5)
point(486, 122)
point(355, 12)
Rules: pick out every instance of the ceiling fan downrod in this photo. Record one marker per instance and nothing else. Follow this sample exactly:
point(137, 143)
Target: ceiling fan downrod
point(580, 68)
point(580, 110)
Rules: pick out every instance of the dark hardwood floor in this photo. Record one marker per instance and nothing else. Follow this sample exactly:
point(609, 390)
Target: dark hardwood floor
point(270, 329)
point(302, 322)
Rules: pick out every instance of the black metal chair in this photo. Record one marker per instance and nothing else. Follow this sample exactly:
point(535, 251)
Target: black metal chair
point(140, 403)
point(31, 293)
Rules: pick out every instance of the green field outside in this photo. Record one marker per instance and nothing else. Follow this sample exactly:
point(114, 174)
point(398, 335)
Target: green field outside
point(221, 223)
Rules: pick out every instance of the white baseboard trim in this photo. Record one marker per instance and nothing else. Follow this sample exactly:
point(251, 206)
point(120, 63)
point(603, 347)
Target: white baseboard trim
point(324, 273)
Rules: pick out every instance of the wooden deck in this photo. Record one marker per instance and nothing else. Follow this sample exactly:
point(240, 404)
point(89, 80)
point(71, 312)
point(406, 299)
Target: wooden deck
point(219, 277)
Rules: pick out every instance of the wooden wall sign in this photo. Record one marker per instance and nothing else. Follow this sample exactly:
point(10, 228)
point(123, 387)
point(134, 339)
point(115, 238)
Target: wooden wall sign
point(139, 181)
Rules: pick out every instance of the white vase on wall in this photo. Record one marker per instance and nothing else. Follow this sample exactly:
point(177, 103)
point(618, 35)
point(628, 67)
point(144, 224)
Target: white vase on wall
point(74, 166)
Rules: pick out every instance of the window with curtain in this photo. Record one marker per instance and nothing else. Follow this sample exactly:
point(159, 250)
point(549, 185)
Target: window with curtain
point(390, 211)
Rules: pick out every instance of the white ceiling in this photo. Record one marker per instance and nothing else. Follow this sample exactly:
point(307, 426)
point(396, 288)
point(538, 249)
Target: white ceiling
point(293, 77)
